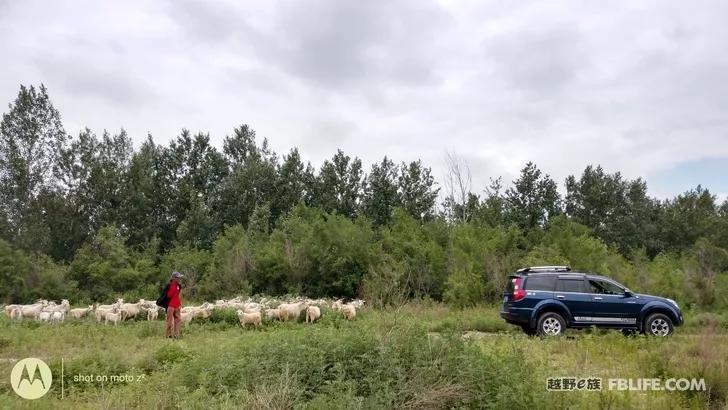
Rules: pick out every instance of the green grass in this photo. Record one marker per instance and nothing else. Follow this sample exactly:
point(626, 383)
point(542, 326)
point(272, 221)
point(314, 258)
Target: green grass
point(415, 357)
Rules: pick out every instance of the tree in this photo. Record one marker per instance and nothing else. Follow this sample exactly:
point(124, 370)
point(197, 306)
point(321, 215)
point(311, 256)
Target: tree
point(292, 186)
point(144, 212)
point(260, 223)
point(411, 250)
point(252, 179)
point(688, 217)
point(199, 229)
point(14, 266)
point(532, 199)
point(381, 192)
point(194, 264)
point(104, 267)
point(189, 168)
point(491, 211)
point(417, 190)
point(95, 172)
point(617, 210)
point(230, 267)
point(458, 182)
point(241, 146)
point(31, 140)
point(339, 185)
point(26, 277)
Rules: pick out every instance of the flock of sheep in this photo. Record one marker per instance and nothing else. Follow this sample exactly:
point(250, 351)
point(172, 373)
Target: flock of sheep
point(249, 312)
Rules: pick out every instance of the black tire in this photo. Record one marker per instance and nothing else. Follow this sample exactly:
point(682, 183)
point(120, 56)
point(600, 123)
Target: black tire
point(658, 325)
point(528, 330)
point(551, 324)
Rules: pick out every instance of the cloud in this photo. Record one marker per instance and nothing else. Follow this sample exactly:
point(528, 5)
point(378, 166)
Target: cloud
point(78, 79)
point(636, 87)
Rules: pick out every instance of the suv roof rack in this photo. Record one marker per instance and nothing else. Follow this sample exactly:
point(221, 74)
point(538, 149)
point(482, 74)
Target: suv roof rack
point(544, 269)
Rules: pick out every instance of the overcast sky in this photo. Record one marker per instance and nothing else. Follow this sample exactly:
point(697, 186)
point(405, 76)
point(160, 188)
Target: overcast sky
point(639, 87)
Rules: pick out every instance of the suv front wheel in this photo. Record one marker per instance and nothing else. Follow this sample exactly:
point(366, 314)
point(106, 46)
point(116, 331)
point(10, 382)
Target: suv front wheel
point(551, 324)
point(658, 325)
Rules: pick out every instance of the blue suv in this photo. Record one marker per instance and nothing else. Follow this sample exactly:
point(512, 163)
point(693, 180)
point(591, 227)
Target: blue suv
point(545, 300)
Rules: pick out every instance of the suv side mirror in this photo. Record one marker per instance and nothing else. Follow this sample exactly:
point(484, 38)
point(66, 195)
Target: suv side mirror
point(628, 293)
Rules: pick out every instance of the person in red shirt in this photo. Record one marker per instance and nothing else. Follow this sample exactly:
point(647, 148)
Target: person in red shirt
point(174, 320)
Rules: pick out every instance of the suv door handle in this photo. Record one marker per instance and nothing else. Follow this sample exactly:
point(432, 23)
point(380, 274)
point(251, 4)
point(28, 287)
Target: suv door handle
point(597, 298)
point(560, 296)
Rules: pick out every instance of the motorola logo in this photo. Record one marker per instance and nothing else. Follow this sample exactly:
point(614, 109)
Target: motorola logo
point(31, 378)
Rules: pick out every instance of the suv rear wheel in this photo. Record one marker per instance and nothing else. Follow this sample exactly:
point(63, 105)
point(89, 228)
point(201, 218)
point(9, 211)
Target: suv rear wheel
point(659, 325)
point(551, 324)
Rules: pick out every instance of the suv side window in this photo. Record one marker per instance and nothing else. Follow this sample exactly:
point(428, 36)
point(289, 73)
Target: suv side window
point(604, 287)
point(541, 283)
point(570, 285)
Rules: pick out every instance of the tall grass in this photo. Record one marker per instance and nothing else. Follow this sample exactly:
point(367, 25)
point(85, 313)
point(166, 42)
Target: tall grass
point(412, 357)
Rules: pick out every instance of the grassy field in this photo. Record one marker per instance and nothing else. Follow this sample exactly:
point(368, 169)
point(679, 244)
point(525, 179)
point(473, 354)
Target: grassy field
point(420, 356)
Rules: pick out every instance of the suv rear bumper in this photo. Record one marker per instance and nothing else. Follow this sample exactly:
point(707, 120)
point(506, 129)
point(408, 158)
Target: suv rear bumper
point(517, 316)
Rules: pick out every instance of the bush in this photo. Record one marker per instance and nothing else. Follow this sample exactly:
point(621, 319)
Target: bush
point(227, 316)
point(464, 288)
point(170, 353)
point(396, 369)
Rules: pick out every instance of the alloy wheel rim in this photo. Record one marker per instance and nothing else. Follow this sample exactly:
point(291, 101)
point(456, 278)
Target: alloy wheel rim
point(659, 327)
point(551, 326)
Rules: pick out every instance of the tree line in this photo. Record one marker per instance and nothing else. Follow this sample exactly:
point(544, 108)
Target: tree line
point(93, 216)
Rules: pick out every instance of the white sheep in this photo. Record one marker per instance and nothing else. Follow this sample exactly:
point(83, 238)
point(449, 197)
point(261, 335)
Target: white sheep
point(16, 313)
point(290, 311)
point(44, 316)
point(9, 309)
point(58, 316)
point(337, 304)
point(249, 318)
point(349, 312)
point(113, 316)
point(252, 307)
point(203, 312)
point(312, 313)
point(33, 311)
point(79, 313)
point(53, 307)
point(186, 317)
point(102, 310)
point(131, 310)
point(152, 313)
point(272, 314)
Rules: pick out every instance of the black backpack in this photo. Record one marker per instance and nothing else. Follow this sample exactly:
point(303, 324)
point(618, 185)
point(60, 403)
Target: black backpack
point(163, 300)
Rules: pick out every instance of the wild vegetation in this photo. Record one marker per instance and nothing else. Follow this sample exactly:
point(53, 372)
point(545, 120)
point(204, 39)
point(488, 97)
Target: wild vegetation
point(416, 356)
point(91, 218)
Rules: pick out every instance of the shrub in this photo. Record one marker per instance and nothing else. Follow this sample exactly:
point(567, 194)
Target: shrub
point(228, 316)
point(171, 353)
point(400, 368)
point(464, 288)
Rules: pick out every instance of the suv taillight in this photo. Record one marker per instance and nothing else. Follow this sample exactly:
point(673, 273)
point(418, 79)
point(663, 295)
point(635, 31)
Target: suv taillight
point(518, 291)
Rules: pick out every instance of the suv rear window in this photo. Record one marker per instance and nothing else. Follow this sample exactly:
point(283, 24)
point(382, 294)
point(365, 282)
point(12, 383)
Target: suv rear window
point(541, 283)
point(570, 285)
